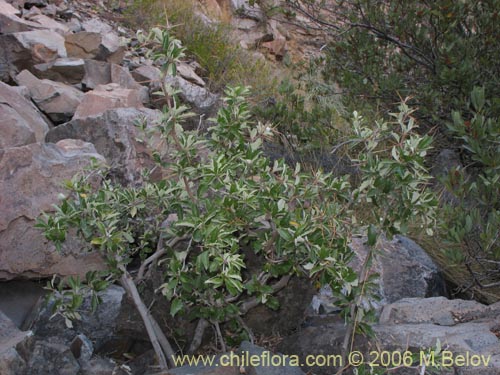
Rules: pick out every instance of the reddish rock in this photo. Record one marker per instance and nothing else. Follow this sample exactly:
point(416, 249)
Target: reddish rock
point(94, 45)
point(20, 122)
point(32, 177)
point(106, 97)
point(23, 50)
point(115, 136)
point(57, 100)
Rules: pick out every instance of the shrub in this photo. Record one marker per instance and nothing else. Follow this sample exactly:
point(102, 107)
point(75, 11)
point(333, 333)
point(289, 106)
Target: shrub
point(223, 202)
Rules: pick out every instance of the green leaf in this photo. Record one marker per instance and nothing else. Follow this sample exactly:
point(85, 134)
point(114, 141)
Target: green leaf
point(176, 306)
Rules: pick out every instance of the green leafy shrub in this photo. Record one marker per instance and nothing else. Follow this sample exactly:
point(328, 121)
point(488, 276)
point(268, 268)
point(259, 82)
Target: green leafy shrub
point(223, 203)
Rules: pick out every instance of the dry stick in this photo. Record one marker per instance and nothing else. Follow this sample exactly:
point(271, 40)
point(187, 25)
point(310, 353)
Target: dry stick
point(350, 331)
point(131, 288)
point(164, 343)
point(198, 335)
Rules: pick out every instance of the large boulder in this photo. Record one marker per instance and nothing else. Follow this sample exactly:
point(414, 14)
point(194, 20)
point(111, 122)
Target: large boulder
point(404, 268)
point(25, 49)
point(32, 178)
point(115, 135)
point(95, 45)
point(57, 100)
point(21, 123)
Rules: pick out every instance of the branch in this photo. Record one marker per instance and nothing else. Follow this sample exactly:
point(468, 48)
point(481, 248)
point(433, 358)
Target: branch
point(160, 251)
point(130, 287)
point(198, 335)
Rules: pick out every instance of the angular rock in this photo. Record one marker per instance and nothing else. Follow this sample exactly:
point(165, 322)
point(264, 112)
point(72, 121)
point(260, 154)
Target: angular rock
point(32, 178)
point(25, 49)
point(11, 23)
point(11, 362)
point(188, 73)
point(147, 75)
point(98, 327)
point(20, 300)
point(65, 70)
point(49, 23)
point(106, 97)
point(93, 45)
point(20, 122)
point(198, 97)
point(57, 100)
point(96, 73)
point(114, 135)
point(52, 358)
point(123, 78)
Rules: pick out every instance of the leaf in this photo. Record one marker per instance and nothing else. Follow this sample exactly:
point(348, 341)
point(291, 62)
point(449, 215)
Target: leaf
point(372, 235)
point(176, 306)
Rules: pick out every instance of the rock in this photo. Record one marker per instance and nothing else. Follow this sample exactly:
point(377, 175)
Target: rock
point(20, 122)
point(48, 23)
point(65, 70)
point(243, 9)
point(57, 100)
point(11, 23)
point(416, 323)
point(19, 301)
point(25, 49)
point(188, 73)
point(96, 73)
point(404, 269)
point(11, 362)
point(92, 331)
point(32, 178)
point(106, 97)
point(277, 47)
point(94, 45)
point(198, 97)
point(114, 134)
point(123, 78)
point(147, 75)
point(52, 358)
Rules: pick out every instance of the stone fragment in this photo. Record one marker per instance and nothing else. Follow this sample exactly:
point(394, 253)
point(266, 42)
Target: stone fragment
point(20, 121)
point(57, 100)
point(94, 45)
point(25, 49)
point(115, 136)
point(65, 70)
point(96, 73)
point(106, 97)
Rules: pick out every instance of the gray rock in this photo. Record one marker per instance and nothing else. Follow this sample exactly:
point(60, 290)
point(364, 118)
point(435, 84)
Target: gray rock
point(57, 100)
point(21, 123)
point(19, 301)
point(198, 97)
point(32, 178)
point(65, 70)
point(11, 338)
point(114, 135)
point(243, 9)
point(96, 73)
